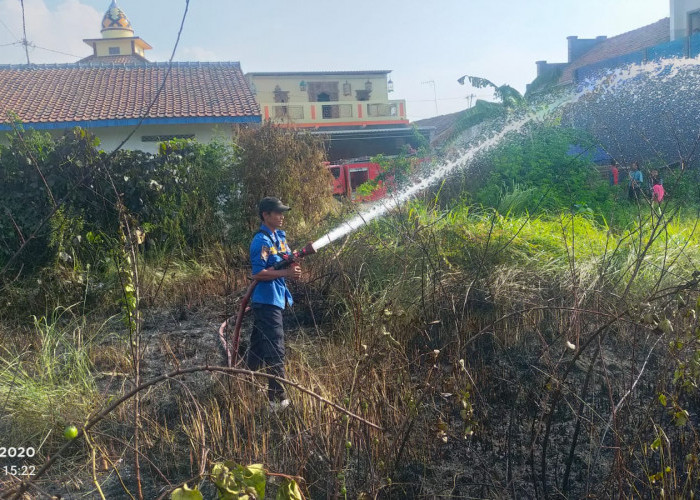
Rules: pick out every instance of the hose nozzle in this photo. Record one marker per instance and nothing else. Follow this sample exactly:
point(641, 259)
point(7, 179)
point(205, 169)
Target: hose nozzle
point(307, 250)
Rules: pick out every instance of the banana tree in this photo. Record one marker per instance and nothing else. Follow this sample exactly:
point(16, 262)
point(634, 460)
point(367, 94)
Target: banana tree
point(509, 97)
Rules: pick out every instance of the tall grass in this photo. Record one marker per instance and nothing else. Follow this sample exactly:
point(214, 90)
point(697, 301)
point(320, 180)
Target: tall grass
point(47, 380)
point(463, 333)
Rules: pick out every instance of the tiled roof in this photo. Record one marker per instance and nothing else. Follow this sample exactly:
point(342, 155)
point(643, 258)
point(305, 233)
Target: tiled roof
point(626, 43)
point(318, 73)
point(109, 60)
point(64, 93)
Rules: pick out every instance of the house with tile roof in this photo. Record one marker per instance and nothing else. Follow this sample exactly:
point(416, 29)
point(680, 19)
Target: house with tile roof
point(116, 88)
point(674, 36)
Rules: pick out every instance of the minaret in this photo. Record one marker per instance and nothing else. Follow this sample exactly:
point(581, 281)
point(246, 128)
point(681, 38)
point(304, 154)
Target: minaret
point(118, 40)
point(115, 24)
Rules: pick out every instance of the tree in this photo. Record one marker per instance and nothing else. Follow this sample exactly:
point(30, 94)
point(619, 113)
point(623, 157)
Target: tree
point(509, 97)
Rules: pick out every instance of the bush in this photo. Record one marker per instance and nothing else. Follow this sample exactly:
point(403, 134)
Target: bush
point(541, 160)
point(63, 196)
point(287, 164)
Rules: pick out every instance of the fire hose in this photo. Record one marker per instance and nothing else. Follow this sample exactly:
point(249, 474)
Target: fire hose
point(231, 347)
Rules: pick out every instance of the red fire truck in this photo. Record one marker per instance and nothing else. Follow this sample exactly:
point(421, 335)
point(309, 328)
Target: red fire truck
point(347, 176)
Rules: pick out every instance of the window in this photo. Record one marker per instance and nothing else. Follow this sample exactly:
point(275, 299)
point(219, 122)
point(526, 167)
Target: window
point(281, 95)
point(335, 171)
point(694, 22)
point(114, 51)
point(362, 95)
point(345, 110)
point(163, 138)
point(358, 176)
point(380, 109)
point(323, 91)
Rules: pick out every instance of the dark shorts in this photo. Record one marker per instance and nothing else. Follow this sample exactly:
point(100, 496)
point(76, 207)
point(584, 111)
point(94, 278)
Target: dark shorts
point(267, 346)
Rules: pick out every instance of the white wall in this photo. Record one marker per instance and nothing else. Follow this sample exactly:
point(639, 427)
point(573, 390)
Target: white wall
point(679, 16)
point(111, 137)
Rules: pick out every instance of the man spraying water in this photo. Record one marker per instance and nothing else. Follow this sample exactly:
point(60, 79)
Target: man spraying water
point(270, 296)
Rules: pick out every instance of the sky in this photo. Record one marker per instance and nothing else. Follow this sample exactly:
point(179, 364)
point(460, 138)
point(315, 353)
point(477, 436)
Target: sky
point(428, 45)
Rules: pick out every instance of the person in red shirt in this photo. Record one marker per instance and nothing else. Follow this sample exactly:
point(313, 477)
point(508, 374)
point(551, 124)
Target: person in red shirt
point(658, 192)
point(614, 173)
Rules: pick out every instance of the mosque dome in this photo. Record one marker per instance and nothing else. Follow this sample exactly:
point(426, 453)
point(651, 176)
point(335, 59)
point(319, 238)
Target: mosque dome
point(115, 24)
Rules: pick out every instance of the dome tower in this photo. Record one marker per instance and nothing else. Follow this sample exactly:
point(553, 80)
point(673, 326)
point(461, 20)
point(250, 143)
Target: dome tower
point(115, 24)
point(118, 42)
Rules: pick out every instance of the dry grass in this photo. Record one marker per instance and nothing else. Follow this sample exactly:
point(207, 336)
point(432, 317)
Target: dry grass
point(503, 394)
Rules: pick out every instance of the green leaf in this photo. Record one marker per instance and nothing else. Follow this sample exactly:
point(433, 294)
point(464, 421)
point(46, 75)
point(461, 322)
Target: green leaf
point(480, 83)
point(254, 475)
point(680, 418)
point(289, 490)
point(662, 399)
point(225, 482)
point(237, 482)
point(185, 493)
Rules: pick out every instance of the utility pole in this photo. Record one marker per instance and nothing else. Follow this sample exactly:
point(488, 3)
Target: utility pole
point(470, 98)
point(25, 42)
point(432, 83)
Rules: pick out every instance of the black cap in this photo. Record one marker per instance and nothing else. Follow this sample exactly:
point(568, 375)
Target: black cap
point(271, 204)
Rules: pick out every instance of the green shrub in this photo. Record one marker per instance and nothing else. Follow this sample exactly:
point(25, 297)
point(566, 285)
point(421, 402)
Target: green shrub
point(287, 164)
point(63, 196)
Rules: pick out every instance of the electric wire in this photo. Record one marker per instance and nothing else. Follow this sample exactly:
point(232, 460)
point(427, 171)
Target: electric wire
point(444, 99)
point(54, 51)
point(144, 115)
point(8, 29)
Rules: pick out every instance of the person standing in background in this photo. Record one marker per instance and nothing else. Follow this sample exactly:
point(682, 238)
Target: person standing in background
point(658, 194)
point(654, 178)
point(614, 173)
point(635, 182)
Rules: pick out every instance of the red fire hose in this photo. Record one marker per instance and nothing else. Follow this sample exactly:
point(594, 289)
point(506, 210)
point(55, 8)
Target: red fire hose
point(231, 347)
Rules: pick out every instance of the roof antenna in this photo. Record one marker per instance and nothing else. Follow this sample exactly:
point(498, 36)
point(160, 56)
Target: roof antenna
point(25, 42)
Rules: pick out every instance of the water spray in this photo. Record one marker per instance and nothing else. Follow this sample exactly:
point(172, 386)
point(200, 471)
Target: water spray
point(231, 348)
point(598, 89)
point(440, 172)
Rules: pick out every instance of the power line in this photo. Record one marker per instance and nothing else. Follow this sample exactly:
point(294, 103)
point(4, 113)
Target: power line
point(55, 51)
point(85, 177)
point(162, 85)
point(446, 98)
point(8, 29)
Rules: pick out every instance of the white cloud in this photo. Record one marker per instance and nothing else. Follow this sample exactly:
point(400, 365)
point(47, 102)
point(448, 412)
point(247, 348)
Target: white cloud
point(60, 29)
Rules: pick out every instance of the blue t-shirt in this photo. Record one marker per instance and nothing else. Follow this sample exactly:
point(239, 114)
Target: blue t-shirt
point(636, 178)
point(265, 251)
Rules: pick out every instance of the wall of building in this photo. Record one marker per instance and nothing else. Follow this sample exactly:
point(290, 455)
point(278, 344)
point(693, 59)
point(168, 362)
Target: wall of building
point(679, 16)
point(147, 137)
point(124, 46)
point(348, 102)
point(265, 86)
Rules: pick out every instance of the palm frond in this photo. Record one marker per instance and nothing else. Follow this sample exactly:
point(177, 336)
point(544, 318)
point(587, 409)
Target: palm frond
point(477, 82)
